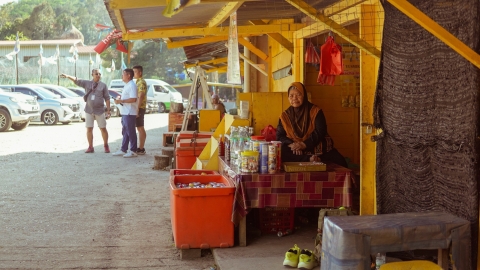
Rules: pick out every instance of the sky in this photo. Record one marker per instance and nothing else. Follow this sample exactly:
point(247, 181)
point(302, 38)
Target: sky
point(2, 2)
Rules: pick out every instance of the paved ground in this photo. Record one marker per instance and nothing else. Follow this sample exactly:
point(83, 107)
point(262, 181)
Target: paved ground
point(63, 209)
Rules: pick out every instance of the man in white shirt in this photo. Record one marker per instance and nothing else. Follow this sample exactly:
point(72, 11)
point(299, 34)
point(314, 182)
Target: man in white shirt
point(129, 110)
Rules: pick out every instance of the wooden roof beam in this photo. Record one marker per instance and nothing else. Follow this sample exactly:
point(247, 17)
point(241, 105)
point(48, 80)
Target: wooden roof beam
point(214, 31)
point(345, 17)
point(209, 62)
point(224, 13)
point(341, 6)
point(276, 36)
point(335, 27)
point(253, 49)
point(119, 16)
point(196, 41)
point(129, 4)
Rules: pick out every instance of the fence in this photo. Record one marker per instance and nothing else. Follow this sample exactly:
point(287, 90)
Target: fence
point(31, 71)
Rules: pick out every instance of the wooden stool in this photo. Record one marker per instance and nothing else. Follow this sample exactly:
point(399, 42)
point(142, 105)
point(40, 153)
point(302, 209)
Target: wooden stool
point(411, 265)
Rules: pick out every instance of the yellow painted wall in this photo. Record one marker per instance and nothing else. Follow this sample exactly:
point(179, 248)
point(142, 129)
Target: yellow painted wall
point(342, 118)
point(280, 57)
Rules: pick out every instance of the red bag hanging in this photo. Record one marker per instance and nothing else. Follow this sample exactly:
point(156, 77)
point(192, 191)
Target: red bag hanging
point(270, 133)
point(331, 62)
point(311, 55)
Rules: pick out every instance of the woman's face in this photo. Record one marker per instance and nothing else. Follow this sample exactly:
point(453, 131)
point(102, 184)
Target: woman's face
point(295, 98)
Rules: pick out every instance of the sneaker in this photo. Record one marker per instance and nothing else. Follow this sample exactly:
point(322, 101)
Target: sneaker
point(119, 153)
point(291, 257)
point(141, 151)
point(307, 260)
point(90, 150)
point(107, 149)
point(130, 154)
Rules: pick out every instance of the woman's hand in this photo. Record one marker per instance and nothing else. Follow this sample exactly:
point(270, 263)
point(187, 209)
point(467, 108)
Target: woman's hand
point(297, 147)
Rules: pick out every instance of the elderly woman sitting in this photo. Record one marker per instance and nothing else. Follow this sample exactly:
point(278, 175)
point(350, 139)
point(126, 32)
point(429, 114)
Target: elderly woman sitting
point(217, 105)
point(302, 129)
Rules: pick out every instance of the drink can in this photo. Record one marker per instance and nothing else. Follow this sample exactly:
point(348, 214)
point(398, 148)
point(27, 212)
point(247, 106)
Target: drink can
point(263, 157)
point(272, 158)
point(278, 145)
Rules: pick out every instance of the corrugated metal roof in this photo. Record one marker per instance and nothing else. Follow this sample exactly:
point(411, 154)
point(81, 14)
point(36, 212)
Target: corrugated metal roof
point(199, 16)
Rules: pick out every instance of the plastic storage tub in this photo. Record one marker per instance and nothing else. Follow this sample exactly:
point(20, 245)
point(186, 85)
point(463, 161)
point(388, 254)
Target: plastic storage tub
point(201, 217)
point(191, 172)
point(185, 157)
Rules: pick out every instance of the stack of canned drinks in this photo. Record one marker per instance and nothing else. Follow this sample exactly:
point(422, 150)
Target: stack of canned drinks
point(199, 185)
point(252, 154)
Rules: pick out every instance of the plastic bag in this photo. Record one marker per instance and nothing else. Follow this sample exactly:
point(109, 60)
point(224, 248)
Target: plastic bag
point(311, 55)
point(331, 62)
point(270, 133)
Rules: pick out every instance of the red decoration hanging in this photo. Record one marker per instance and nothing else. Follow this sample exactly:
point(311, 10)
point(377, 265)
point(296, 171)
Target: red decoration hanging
point(331, 62)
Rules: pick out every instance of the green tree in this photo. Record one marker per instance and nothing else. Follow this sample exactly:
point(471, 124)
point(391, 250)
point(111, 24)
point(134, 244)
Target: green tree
point(39, 26)
point(157, 60)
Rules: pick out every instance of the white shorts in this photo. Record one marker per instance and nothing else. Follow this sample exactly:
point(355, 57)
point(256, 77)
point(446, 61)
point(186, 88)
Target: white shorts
point(101, 121)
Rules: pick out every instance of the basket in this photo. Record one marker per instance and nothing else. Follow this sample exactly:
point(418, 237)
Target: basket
point(304, 166)
point(274, 220)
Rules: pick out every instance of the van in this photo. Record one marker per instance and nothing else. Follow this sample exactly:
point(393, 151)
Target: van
point(157, 90)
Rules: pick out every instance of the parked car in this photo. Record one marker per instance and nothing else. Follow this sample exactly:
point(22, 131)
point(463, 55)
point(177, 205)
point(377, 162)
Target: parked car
point(66, 93)
point(151, 105)
point(113, 107)
point(53, 109)
point(16, 110)
point(80, 91)
point(160, 92)
point(114, 94)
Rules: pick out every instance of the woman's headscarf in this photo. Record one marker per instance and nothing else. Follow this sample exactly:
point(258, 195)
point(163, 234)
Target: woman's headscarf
point(299, 122)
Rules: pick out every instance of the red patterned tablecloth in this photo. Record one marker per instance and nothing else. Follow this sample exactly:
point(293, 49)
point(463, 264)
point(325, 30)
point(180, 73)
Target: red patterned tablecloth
point(331, 188)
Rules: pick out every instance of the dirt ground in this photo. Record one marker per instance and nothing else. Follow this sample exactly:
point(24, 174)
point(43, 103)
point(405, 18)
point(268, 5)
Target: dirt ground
point(63, 209)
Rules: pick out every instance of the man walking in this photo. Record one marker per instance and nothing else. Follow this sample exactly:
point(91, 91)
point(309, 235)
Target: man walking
point(129, 109)
point(96, 93)
point(142, 105)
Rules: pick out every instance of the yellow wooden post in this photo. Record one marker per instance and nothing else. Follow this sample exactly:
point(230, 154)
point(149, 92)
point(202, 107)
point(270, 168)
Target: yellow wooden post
point(298, 60)
point(370, 31)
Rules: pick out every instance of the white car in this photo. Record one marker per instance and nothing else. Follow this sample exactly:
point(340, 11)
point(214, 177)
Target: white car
point(66, 93)
point(16, 110)
point(158, 91)
point(53, 109)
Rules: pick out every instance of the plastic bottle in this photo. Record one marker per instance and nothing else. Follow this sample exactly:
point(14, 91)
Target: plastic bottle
point(283, 233)
point(221, 146)
point(379, 260)
point(227, 149)
point(233, 145)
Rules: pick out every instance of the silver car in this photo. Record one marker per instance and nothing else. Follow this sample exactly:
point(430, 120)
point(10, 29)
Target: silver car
point(53, 109)
point(16, 110)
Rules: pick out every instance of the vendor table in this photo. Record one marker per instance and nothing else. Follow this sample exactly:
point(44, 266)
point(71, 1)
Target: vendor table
point(330, 188)
point(348, 241)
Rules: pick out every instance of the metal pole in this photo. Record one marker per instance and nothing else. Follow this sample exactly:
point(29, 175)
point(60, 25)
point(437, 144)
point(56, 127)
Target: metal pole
point(58, 71)
point(16, 68)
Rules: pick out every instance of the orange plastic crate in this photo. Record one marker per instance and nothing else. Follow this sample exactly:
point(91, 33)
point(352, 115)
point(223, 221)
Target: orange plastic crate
point(276, 219)
point(201, 217)
point(185, 157)
point(191, 172)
